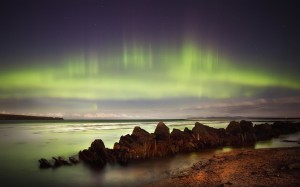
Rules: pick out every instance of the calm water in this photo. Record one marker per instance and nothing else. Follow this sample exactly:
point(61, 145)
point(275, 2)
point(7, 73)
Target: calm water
point(23, 144)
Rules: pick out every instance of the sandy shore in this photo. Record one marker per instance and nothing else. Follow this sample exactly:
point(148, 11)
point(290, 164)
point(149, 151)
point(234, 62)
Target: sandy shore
point(262, 167)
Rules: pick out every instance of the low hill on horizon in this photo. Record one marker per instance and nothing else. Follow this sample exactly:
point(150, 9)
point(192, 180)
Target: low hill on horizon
point(25, 117)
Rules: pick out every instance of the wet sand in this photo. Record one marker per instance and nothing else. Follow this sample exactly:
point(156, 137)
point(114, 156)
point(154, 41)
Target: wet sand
point(260, 167)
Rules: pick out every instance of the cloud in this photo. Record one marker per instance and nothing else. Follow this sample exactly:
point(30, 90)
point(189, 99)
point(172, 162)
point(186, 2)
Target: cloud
point(159, 108)
point(262, 107)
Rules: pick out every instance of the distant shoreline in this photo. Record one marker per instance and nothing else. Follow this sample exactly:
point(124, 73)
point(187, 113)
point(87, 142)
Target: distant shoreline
point(13, 117)
point(25, 117)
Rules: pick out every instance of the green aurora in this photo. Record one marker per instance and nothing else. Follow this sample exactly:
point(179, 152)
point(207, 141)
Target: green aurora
point(139, 71)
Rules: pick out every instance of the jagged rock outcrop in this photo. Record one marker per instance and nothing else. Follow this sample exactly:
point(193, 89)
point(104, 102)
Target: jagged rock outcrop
point(240, 134)
point(282, 127)
point(263, 131)
point(57, 162)
point(162, 132)
point(142, 145)
point(96, 155)
point(205, 136)
point(182, 141)
point(139, 145)
point(44, 163)
point(73, 160)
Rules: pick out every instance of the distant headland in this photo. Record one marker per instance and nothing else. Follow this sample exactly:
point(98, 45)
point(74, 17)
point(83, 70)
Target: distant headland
point(25, 117)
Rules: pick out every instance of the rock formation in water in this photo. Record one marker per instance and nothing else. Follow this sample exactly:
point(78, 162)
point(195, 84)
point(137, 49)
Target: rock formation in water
point(141, 145)
point(57, 162)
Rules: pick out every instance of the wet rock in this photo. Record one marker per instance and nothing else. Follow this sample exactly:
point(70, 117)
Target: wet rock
point(200, 129)
point(91, 158)
point(263, 131)
point(247, 127)
point(181, 141)
point(290, 141)
point(99, 148)
point(162, 146)
point(240, 134)
point(187, 131)
point(73, 160)
point(138, 132)
point(122, 156)
point(162, 132)
point(205, 136)
point(44, 163)
point(294, 166)
point(234, 128)
point(59, 161)
point(281, 127)
point(96, 155)
point(178, 135)
point(248, 132)
point(139, 145)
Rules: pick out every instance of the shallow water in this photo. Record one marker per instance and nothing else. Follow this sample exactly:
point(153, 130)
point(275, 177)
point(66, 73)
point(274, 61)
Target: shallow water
point(22, 144)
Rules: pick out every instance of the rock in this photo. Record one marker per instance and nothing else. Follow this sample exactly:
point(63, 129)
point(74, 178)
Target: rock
point(99, 148)
point(247, 127)
point(91, 158)
point(249, 137)
point(121, 156)
point(162, 132)
point(139, 145)
point(234, 128)
point(290, 141)
point(163, 148)
point(187, 131)
point(263, 131)
point(294, 166)
point(96, 155)
point(73, 160)
point(240, 134)
point(138, 132)
point(178, 135)
point(200, 129)
point(182, 141)
point(111, 158)
point(44, 163)
point(281, 127)
point(60, 162)
point(206, 137)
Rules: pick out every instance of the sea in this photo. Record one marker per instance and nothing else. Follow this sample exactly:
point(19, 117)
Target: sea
point(23, 143)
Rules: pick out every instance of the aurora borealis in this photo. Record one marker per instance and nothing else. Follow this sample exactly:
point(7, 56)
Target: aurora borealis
point(149, 59)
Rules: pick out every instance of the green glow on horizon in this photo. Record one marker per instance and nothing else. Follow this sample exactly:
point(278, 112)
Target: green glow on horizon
point(141, 72)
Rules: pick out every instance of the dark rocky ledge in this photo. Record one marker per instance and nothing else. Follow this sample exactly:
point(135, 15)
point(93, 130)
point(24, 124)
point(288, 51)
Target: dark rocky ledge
point(142, 145)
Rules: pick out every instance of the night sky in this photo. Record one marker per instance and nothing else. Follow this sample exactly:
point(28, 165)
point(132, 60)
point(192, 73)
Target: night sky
point(150, 58)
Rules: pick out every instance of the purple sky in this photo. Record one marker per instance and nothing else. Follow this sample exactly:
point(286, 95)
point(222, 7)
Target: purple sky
point(259, 39)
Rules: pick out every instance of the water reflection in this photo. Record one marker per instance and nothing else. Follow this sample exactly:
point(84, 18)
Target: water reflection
point(22, 144)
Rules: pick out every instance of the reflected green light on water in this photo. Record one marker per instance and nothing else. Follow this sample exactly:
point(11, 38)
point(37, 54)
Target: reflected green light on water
point(23, 144)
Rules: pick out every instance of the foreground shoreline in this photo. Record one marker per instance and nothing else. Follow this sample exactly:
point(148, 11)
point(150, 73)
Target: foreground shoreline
point(248, 167)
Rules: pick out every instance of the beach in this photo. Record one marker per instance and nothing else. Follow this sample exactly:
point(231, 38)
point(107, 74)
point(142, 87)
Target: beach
point(248, 167)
